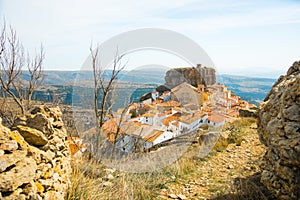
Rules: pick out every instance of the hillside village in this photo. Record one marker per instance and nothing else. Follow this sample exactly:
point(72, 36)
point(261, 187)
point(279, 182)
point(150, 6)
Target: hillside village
point(172, 113)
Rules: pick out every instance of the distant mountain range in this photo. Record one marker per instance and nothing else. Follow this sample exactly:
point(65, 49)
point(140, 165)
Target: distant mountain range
point(152, 76)
point(251, 89)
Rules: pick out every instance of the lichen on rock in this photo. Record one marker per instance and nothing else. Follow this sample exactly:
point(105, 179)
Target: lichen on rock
point(35, 161)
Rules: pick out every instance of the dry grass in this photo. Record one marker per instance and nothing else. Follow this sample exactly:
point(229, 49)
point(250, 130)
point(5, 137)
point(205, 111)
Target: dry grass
point(237, 130)
point(88, 180)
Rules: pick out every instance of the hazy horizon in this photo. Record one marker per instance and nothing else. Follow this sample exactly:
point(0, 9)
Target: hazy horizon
point(250, 38)
point(222, 74)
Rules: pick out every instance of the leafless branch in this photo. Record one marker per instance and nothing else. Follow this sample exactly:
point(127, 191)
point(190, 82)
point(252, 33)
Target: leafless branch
point(2, 39)
point(12, 62)
point(103, 87)
point(35, 70)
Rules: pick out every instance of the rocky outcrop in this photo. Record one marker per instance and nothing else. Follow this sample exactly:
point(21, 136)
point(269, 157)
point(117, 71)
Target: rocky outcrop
point(34, 157)
point(244, 112)
point(279, 130)
point(177, 76)
point(191, 75)
point(208, 74)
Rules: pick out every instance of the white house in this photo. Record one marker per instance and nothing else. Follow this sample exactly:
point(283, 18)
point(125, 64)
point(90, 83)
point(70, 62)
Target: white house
point(129, 143)
point(191, 122)
point(130, 139)
point(160, 117)
point(177, 110)
point(154, 95)
point(216, 120)
point(166, 96)
point(147, 118)
point(167, 122)
point(147, 101)
point(155, 137)
point(174, 127)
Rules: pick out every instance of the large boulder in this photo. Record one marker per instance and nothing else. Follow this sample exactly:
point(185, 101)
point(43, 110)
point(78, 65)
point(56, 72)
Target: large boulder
point(40, 122)
point(32, 136)
point(279, 130)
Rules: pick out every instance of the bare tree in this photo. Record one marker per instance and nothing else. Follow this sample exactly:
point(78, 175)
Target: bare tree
point(103, 87)
point(35, 69)
point(2, 40)
point(12, 62)
point(104, 83)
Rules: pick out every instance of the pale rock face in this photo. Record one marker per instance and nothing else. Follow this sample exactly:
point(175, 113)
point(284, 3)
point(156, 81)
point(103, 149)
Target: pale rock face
point(190, 75)
point(22, 172)
point(9, 145)
point(279, 129)
point(34, 159)
point(8, 160)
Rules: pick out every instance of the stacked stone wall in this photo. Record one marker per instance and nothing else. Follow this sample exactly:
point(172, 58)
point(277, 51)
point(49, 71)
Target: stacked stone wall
point(279, 129)
point(34, 157)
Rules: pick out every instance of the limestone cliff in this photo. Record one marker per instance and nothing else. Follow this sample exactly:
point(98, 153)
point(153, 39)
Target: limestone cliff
point(279, 130)
point(34, 157)
point(191, 75)
point(208, 74)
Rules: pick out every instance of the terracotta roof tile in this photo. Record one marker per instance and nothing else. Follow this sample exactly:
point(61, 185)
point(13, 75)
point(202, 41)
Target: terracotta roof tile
point(175, 124)
point(161, 114)
point(148, 115)
point(153, 135)
point(216, 118)
point(189, 118)
point(170, 103)
point(166, 121)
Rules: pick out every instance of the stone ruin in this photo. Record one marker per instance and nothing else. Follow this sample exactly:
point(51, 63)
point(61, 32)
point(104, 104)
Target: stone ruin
point(279, 130)
point(34, 157)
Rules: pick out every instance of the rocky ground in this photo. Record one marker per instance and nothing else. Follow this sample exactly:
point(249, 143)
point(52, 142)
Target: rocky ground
point(233, 173)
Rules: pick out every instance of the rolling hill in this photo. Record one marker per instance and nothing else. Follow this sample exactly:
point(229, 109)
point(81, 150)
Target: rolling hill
point(61, 83)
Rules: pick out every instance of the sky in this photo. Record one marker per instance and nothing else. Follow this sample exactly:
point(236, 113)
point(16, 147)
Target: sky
point(249, 37)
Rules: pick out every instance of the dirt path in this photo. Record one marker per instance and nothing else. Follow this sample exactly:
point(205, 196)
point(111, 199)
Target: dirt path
point(224, 175)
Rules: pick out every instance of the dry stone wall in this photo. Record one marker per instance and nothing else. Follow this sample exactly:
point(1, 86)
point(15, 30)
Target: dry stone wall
point(279, 129)
point(34, 157)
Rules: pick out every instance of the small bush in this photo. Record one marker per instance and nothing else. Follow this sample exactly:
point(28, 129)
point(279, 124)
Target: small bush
point(221, 144)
